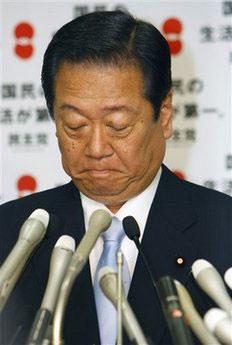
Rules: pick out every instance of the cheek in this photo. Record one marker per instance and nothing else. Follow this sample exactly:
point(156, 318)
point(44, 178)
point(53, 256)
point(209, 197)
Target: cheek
point(138, 152)
point(131, 152)
point(70, 149)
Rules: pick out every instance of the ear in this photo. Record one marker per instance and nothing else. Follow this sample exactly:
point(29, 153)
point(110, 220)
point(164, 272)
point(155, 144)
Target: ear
point(55, 123)
point(165, 116)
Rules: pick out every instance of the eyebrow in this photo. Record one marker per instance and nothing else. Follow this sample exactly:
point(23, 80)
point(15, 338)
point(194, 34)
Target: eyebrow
point(66, 106)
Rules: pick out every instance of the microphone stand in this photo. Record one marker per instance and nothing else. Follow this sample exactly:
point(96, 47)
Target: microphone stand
point(119, 299)
point(48, 336)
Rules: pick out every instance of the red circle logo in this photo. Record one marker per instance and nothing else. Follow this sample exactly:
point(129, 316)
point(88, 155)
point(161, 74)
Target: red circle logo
point(172, 29)
point(24, 32)
point(26, 184)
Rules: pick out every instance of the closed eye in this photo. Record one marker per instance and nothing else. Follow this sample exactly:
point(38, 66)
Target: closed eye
point(76, 128)
point(118, 129)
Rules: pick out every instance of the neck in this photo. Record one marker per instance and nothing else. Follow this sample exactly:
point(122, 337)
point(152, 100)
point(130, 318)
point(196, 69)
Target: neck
point(114, 208)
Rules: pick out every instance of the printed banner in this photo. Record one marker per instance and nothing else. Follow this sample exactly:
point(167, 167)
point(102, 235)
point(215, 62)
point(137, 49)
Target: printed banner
point(200, 39)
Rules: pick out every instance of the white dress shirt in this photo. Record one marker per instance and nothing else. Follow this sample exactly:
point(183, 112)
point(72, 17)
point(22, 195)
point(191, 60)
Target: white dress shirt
point(138, 207)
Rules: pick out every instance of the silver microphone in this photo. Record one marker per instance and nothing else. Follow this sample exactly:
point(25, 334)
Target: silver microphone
point(99, 222)
point(211, 282)
point(195, 321)
point(31, 234)
point(228, 277)
point(119, 297)
point(108, 282)
point(220, 324)
point(60, 259)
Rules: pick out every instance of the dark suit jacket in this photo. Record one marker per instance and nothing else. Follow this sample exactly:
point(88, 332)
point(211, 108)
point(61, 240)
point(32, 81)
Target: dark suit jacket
point(185, 220)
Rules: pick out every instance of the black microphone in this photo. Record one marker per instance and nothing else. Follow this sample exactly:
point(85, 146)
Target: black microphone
point(172, 310)
point(132, 231)
point(131, 228)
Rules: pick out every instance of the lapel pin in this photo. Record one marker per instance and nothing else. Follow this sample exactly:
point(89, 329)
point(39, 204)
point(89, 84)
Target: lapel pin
point(180, 260)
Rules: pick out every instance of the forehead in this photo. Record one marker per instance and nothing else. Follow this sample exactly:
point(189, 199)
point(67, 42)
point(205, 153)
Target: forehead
point(98, 81)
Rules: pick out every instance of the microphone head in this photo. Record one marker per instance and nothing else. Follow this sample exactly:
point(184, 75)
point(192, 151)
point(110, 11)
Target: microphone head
point(66, 242)
point(105, 271)
point(41, 215)
point(200, 265)
point(35, 226)
point(228, 277)
point(107, 278)
point(131, 227)
point(100, 220)
point(213, 317)
point(177, 283)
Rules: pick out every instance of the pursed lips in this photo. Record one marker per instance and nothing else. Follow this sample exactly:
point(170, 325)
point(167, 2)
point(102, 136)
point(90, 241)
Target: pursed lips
point(99, 173)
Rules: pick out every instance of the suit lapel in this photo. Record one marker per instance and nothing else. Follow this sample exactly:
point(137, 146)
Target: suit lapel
point(169, 234)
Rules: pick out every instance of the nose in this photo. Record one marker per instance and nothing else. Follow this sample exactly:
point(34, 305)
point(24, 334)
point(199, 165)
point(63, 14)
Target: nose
point(98, 146)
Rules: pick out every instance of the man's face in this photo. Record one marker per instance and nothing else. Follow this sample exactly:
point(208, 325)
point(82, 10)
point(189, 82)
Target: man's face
point(110, 144)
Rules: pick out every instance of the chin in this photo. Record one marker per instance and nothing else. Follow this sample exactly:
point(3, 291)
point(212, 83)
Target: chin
point(98, 190)
point(102, 191)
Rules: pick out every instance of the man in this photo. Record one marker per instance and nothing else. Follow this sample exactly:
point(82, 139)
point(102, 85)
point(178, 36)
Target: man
point(107, 82)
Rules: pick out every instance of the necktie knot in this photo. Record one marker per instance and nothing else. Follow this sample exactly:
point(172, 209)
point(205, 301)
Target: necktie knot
point(115, 233)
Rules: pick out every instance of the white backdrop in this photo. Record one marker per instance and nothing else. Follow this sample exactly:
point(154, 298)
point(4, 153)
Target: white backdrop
point(200, 37)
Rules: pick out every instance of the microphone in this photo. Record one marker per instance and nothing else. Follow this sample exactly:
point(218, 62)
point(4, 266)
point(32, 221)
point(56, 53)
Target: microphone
point(31, 234)
point(60, 259)
point(119, 297)
point(99, 222)
point(108, 281)
point(212, 284)
point(193, 317)
point(172, 310)
point(220, 324)
point(132, 231)
point(228, 277)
